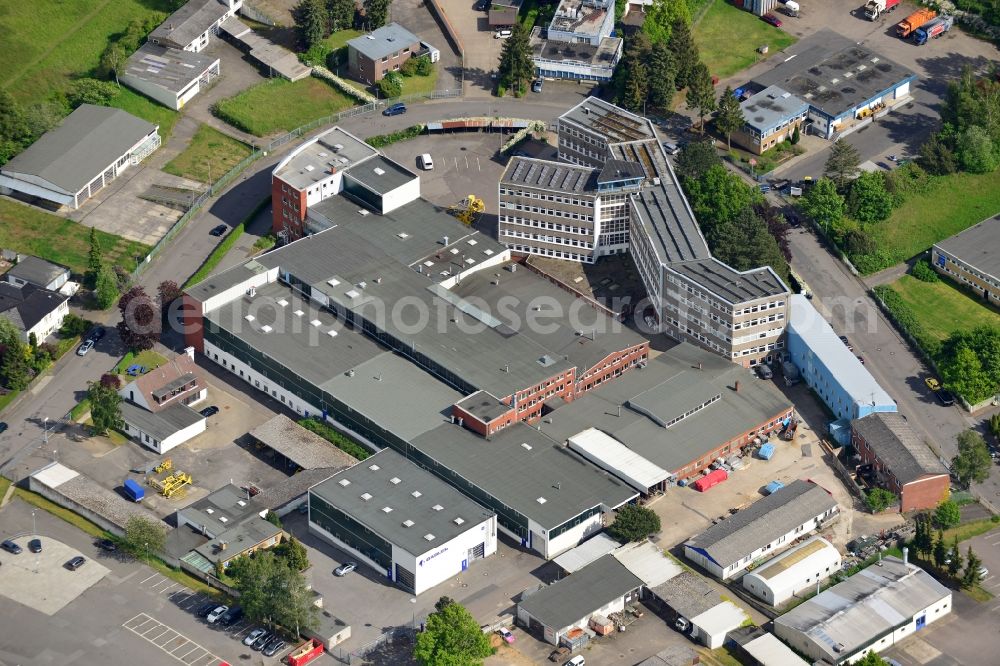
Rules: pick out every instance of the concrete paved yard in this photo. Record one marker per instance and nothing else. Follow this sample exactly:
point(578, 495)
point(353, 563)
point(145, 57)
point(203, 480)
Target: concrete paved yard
point(41, 581)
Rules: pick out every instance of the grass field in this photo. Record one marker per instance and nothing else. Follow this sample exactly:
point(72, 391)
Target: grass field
point(943, 308)
point(48, 43)
point(281, 106)
point(63, 241)
point(728, 39)
point(209, 155)
point(950, 204)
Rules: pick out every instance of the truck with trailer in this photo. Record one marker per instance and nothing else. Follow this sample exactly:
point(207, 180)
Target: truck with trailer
point(932, 29)
point(876, 8)
point(133, 490)
point(918, 18)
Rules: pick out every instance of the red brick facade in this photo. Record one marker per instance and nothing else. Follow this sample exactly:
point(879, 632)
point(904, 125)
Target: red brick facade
point(289, 208)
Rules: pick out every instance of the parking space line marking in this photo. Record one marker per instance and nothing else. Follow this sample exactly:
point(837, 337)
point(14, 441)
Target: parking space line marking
point(143, 582)
point(212, 658)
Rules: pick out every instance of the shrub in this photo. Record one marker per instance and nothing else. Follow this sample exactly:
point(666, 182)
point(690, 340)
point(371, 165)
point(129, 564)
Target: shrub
point(922, 271)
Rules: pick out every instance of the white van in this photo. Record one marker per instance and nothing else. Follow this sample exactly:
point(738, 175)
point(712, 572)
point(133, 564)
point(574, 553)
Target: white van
point(502, 34)
point(425, 162)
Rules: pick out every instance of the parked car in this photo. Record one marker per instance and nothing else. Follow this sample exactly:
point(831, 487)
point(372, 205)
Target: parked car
point(35, 545)
point(76, 563)
point(772, 19)
point(232, 616)
point(10, 547)
point(502, 34)
point(946, 398)
point(253, 636)
point(211, 410)
point(107, 545)
point(395, 110)
point(345, 568)
point(505, 634)
point(261, 640)
point(96, 333)
point(273, 647)
point(216, 613)
point(536, 86)
point(218, 230)
point(85, 347)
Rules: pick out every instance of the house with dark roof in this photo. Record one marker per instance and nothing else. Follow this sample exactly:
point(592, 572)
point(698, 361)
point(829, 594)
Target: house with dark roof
point(762, 529)
point(902, 460)
point(157, 404)
point(33, 310)
point(91, 147)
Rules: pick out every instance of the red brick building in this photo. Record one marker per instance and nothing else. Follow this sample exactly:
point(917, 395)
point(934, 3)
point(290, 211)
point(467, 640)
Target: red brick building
point(902, 461)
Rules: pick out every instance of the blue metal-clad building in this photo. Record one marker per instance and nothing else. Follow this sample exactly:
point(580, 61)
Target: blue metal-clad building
point(829, 368)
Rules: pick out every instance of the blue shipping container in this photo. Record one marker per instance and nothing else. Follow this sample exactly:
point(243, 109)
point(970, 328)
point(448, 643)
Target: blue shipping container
point(766, 451)
point(134, 491)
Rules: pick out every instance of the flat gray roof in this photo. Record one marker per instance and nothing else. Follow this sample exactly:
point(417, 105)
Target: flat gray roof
point(834, 74)
point(87, 141)
point(380, 174)
point(898, 446)
point(556, 176)
point(401, 502)
point(771, 107)
point(732, 285)
point(38, 272)
point(977, 246)
point(163, 423)
point(521, 466)
point(335, 149)
point(190, 21)
point(303, 447)
point(168, 68)
point(581, 594)
point(383, 42)
point(762, 522)
point(860, 610)
point(671, 384)
point(612, 121)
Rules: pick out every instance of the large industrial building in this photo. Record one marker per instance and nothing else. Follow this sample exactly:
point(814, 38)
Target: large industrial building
point(410, 526)
point(837, 376)
point(870, 611)
point(762, 529)
point(972, 258)
point(69, 164)
point(612, 191)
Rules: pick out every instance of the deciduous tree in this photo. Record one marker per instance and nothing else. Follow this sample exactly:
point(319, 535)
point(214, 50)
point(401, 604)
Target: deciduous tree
point(452, 637)
point(634, 523)
point(140, 326)
point(729, 118)
point(973, 462)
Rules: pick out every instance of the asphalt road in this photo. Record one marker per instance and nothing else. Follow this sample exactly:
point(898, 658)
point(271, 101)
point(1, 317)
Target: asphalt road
point(65, 383)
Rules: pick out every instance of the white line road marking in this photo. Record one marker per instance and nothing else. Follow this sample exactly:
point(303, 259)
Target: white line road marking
point(143, 581)
point(146, 619)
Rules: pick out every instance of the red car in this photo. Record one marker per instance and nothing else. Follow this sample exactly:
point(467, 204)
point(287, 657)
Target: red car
point(772, 19)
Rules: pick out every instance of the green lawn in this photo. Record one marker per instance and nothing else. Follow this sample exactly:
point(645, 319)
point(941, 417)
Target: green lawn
point(209, 155)
point(281, 106)
point(63, 241)
point(145, 108)
point(47, 43)
point(942, 308)
point(949, 205)
point(728, 39)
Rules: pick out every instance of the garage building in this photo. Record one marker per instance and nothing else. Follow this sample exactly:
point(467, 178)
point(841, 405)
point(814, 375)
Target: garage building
point(801, 568)
point(402, 521)
point(90, 148)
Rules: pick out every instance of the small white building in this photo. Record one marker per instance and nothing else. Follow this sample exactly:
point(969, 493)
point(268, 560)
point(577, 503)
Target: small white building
point(170, 76)
point(90, 148)
point(402, 521)
point(870, 611)
point(801, 568)
point(758, 531)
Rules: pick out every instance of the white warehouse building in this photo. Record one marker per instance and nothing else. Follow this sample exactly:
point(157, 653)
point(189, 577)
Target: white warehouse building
point(870, 611)
point(402, 521)
point(801, 568)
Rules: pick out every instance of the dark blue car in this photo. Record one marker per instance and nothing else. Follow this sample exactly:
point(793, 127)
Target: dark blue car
point(395, 109)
